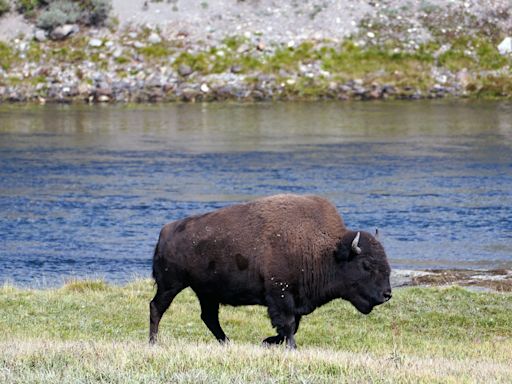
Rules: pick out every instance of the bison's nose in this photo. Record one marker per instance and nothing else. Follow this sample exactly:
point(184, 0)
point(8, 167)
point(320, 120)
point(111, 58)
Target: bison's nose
point(387, 295)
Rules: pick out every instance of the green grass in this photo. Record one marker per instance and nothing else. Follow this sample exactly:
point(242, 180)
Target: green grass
point(94, 332)
point(7, 56)
point(286, 68)
point(156, 51)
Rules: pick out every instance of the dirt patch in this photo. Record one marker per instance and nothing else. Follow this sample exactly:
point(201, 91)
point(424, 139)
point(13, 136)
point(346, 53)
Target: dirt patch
point(497, 279)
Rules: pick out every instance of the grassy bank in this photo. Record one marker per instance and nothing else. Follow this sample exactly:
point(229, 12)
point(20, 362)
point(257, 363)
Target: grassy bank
point(235, 69)
point(94, 332)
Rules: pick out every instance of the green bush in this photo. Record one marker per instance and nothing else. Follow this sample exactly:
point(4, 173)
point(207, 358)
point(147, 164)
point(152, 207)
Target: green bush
point(6, 56)
point(4, 7)
point(95, 12)
point(27, 6)
point(59, 12)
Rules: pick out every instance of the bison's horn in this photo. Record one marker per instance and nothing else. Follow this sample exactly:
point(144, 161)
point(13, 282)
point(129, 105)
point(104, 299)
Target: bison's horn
point(355, 243)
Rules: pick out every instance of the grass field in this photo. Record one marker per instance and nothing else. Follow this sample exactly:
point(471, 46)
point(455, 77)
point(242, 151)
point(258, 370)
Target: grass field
point(87, 332)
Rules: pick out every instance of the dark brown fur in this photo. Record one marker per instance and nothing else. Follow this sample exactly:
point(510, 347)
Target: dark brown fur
point(290, 253)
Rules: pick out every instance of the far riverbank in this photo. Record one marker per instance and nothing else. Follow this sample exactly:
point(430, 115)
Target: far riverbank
point(251, 51)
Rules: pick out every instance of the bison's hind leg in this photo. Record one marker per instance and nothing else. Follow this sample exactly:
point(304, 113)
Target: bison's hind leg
point(162, 300)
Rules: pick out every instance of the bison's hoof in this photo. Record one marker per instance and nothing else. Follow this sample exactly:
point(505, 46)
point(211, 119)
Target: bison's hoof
point(273, 340)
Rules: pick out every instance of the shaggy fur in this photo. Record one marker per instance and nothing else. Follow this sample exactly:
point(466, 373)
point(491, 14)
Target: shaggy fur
point(290, 253)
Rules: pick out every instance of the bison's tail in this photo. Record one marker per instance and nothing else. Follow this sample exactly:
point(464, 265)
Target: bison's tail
point(156, 257)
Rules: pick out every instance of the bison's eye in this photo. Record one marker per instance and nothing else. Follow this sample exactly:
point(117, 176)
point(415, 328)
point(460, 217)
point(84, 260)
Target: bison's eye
point(366, 266)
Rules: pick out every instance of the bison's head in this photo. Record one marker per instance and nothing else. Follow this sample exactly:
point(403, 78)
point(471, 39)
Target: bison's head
point(363, 271)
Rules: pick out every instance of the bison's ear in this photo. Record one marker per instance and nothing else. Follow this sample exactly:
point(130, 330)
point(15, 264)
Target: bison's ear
point(348, 247)
point(343, 253)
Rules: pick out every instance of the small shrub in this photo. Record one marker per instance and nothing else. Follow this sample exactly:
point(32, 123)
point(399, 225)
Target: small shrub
point(28, 6)
point(59, 12)
point(4, 7)
point(155, 51)
point(6, 56)
point(95, 12)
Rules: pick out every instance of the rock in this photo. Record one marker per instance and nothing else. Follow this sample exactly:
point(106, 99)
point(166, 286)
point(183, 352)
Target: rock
point(505, 47)
point(438, 88)
point(236, 68)
point(403, 278)
point(40, 35)
point(205, 88)
point(184, 70)
point(442, 79)
point(243, 48)
point(258, 95)
point(103, 99)
point(64, 31)
point(154, 81)
point(182, 34)
point(388, 89)
point(84, 88)
point(189, 94)
point(96, 43)
point(443, 49)
point(120, 86)
point(138, 45)
point(154, 38)
point(121, 97)
point(359, 91)
point(104, 91)
point(117, 53)
point(463, 77)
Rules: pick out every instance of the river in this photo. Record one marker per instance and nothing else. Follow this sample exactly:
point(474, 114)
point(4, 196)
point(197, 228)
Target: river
point(84, 190)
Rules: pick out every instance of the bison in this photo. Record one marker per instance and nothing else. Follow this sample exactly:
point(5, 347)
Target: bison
point(289, 253)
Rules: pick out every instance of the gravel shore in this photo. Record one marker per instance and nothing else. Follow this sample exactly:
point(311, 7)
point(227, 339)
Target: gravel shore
point(262, 50)
point(499, 280)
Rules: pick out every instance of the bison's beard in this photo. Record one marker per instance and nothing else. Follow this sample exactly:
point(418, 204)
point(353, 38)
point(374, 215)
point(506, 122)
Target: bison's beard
point(364, 308)
point(363, 304)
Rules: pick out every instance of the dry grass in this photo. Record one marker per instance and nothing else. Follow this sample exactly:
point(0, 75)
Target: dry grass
point(179, 362)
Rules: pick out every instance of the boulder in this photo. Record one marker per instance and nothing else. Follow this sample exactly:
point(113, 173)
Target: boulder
point(154, 38)
point(64, 31)
point(40, 35)
point(95, 43)
point(185, 70)
point(505, 47)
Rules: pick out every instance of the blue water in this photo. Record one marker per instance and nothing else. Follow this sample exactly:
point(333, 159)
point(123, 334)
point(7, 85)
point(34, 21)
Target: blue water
point(84, 190)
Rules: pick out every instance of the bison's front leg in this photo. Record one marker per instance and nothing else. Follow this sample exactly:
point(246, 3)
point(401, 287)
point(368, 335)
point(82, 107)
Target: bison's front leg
point(210, 316)
point(281, 310)
point(279, 339)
